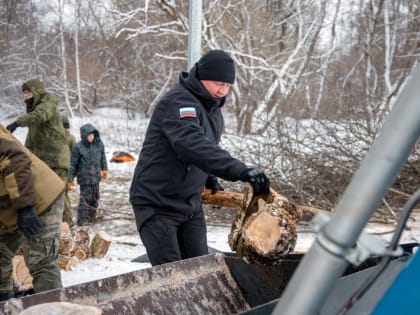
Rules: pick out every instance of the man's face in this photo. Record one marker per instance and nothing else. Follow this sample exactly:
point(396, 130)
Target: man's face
point(90, 137)
point(216, 89)
point(27, 95)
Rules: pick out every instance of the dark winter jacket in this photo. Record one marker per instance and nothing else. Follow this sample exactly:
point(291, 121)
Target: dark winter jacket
point(180, 150)
point(25, 181)
point(87, 159)
point(46, 137)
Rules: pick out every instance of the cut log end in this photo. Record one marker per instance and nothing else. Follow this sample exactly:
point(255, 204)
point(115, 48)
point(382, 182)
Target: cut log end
point(66, 262)
point(22, 279)
point(264, 228)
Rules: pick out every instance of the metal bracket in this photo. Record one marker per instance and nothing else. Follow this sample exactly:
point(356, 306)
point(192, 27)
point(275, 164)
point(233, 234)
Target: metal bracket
point(366, 245)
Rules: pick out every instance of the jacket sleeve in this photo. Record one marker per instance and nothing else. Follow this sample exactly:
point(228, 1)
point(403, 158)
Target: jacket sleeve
point(42, 113)
point(15, 167)
point(74, 162)
point(104, 165)
point(189, 141)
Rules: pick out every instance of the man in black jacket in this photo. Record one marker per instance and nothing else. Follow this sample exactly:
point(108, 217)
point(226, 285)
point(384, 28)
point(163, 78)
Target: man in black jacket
point(180, 156)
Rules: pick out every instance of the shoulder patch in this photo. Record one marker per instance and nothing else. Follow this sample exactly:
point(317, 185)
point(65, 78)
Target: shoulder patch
point(187, 112)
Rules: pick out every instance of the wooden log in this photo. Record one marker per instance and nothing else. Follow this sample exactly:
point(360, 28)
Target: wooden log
point(222, 198)
point(21, 277)
point(264, 228)
point(100, 244)
point(66, 262)
point(65, 228)
point(81, 247)
point(66, 244)
point(81, 252)
point(230, 199)
point(61, 308)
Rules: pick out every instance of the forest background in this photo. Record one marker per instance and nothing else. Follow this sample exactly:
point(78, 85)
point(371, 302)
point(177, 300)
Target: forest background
point(315, 78)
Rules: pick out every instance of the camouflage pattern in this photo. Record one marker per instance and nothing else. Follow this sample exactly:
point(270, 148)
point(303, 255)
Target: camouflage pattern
point(40, 253)
point(46, 136)
point(89, 197)
point(67, 213)
point(71, 141)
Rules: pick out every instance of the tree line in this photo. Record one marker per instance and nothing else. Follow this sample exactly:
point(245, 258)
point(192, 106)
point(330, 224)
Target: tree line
point(317, 76)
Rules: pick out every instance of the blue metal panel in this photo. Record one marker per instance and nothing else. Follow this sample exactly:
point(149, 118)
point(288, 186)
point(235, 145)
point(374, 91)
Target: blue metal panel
point(403, 297)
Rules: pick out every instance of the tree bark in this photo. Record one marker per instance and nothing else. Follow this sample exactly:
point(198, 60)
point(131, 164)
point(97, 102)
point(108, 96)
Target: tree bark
point(265, 228)
point(100, 244)
point(222, 198)
point(66, 245)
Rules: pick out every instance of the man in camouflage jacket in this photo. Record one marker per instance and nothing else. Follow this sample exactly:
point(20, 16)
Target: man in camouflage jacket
point(46, 134)
point(31, 208)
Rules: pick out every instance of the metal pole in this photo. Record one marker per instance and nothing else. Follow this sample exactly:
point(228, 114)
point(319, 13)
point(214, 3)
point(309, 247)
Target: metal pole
point(194, 36)
point(321, 266)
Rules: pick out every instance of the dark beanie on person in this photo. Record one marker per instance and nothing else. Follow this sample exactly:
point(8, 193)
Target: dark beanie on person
point(216, 65)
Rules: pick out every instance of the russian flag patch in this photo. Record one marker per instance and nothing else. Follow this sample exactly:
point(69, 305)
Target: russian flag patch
point(185, 112)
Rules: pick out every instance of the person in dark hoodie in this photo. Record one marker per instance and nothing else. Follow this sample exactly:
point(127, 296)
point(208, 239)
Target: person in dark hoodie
point(88, 164)
point(180, 156)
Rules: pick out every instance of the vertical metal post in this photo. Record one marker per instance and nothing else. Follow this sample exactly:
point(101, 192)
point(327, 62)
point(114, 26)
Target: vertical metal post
point(194, 34)
point(321, 266)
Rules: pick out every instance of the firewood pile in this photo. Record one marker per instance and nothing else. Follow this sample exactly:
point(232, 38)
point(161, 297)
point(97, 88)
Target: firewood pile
point(74, 246)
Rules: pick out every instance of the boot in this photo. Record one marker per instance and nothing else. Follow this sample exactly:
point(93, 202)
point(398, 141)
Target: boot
point(5, 295)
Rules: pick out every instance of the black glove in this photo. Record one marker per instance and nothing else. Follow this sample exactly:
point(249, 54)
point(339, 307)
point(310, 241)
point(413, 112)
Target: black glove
point(213, 184)
point(12, 127)
point(258, 180)
point(28, 221)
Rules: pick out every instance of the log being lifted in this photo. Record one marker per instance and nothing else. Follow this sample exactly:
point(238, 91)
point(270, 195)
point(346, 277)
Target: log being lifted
point(265, 228)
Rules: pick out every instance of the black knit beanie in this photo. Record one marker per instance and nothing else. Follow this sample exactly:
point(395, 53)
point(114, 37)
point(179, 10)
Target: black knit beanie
point(216, 65)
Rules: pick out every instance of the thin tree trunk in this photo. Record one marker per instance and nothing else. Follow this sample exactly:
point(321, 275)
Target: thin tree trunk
point(76, 55)
point(63, 57)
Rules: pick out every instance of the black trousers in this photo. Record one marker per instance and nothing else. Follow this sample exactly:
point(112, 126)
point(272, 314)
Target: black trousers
point(168, 239)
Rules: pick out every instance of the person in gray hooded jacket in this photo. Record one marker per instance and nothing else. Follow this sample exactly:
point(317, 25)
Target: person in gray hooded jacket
point(180, 156)
point(88, 164)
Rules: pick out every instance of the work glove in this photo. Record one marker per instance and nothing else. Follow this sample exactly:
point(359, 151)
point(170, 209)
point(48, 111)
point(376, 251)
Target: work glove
point(258, 180)
point(70, 185)
point(213, 184)
point(104, 174)
point(12, 127)
point(28, 222)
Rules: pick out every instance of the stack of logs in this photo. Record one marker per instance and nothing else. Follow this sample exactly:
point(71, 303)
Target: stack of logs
point(73, 247)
